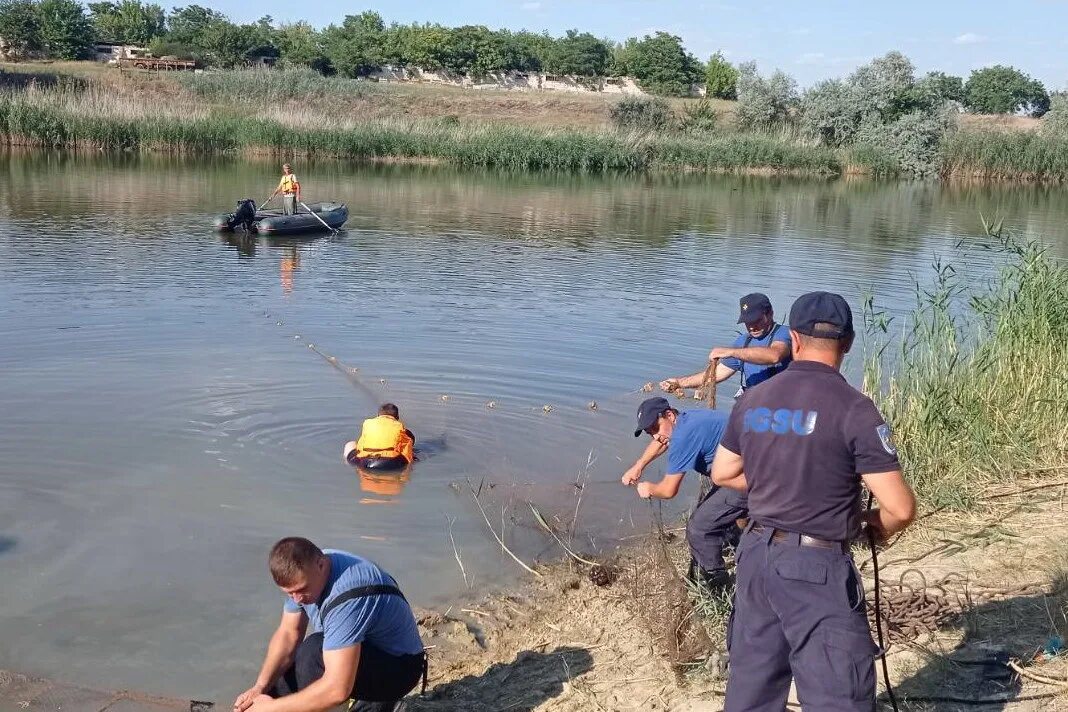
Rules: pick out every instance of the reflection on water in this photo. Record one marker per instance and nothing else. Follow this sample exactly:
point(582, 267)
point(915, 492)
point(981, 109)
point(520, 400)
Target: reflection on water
point(387, 485)
point(202, 386)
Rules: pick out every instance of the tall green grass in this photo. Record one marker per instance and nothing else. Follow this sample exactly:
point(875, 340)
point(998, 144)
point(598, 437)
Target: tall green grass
point(59, 121)
point(976, 385)
point(276, 85)
point(1006, 155)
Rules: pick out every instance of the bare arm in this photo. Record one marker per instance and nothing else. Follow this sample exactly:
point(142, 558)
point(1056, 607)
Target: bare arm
point(698, 379)
point(279, 657)
point(330, 690)
point(666, 488)
point(653, 450)
point(897, 503)
point(760, 355)
point(727, 470)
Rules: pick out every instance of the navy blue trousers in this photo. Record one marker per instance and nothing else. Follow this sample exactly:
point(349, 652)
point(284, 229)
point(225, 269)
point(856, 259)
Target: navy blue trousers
point(381, 679)
point(712, 524)
point(798, 611)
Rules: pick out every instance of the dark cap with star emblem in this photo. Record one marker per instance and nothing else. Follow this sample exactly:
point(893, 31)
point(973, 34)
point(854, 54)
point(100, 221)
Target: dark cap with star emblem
point(753, 306)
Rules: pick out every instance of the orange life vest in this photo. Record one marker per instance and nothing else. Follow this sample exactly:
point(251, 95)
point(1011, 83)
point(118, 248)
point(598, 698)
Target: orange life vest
point(288, 183)
point(383, 436)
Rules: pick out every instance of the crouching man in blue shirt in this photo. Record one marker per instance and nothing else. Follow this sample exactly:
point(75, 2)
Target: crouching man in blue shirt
point(690, 439)
point(365, 645)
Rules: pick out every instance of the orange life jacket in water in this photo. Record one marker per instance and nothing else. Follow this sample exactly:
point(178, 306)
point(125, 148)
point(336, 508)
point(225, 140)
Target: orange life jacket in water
point(383, 436)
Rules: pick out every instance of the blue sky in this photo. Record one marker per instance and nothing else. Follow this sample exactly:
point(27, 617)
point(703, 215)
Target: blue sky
point(809, 40)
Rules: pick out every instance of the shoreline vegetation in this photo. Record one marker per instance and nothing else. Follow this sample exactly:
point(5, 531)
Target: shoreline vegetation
point(299, 113)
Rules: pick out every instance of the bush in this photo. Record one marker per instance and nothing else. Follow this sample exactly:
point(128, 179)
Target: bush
point(700, 118)
point(911, 141)
point(721, 78)
point(1055, 122)
point(884, 112)
point(763, 103)
point(635, 113)
point(944, 87)
point(1005, 90)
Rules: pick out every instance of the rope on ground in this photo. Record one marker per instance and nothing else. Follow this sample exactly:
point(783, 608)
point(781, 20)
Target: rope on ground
point(910, 610)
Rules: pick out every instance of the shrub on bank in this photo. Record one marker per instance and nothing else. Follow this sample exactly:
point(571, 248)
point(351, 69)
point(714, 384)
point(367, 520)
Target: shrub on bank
point(638, 113)
point(975, 391)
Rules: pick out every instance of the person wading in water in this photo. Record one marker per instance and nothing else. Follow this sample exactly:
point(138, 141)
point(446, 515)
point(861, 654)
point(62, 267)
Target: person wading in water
point(758, 354)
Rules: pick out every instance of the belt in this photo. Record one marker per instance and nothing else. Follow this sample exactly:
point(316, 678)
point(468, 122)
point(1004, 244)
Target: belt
point(782, 536)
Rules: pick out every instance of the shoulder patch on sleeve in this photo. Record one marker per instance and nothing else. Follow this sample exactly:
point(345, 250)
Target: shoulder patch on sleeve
point(886, 438)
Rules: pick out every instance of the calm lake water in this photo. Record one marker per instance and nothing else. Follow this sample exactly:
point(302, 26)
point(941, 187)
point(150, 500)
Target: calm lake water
point(164, 419)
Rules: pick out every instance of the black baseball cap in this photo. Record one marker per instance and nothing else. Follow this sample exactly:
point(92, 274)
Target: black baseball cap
point(649, 411)
point(753, 306)
point(822, 308)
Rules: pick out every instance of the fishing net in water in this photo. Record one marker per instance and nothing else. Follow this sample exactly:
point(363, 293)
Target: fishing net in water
point(662, 602)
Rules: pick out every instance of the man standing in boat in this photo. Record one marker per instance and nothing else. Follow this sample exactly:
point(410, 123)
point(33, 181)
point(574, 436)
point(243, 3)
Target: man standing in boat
point(289, 187)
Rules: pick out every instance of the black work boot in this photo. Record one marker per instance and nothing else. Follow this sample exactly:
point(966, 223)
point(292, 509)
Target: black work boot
point(715, 581)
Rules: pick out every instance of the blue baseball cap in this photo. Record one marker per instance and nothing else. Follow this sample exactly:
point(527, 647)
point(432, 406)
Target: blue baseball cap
point(753, 306)
point(827, 309)
point(649, 411)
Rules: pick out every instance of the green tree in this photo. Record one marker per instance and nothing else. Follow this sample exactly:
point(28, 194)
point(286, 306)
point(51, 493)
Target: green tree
point(20, 26)
point(66, 32)
point(619, 62)
point(536, 46)
point(229, 45)
point(186, 25)
point(580, 54)
point(128, 21)
point(945, 87)
point(662, 66)
point(721, 78)
point(355, 47)
point(300, 44)
point(1005, 90)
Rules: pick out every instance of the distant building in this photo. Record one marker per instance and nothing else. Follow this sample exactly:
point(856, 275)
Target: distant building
point(112, 52)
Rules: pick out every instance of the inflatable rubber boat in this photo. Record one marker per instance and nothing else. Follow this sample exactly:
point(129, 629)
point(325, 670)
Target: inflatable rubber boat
point(273, 222)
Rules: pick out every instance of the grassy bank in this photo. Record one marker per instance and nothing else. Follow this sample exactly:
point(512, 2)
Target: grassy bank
point(67, 117)
point(299, 112)
point(976, 391)
point(1005, 155)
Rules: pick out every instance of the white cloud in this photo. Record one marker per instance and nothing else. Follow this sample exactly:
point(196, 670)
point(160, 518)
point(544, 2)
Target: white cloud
point(811, 58)
point(532, 6)
point(969, 38)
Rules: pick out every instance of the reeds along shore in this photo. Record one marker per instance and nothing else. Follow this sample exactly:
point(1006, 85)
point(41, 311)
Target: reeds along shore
point(299, 113)
point(973, 381)
point(43, 122)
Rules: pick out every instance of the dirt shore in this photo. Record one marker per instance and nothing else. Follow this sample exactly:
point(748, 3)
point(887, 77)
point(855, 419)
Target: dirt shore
point(963, 597)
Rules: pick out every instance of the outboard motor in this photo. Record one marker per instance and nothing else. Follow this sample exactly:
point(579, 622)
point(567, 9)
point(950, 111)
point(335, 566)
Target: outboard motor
point(244, 216)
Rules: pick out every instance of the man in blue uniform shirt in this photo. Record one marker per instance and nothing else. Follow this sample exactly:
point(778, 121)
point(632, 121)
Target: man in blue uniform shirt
point(801, 445)
point(690, 439)
point(758, 354)
point(365, 645)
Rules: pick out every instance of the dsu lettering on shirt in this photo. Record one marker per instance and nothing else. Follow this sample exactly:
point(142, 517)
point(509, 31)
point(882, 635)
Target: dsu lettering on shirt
point(781, 421)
